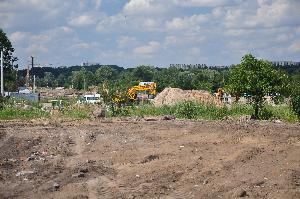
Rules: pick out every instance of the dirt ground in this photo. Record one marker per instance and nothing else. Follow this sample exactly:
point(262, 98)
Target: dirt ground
point(127, 158)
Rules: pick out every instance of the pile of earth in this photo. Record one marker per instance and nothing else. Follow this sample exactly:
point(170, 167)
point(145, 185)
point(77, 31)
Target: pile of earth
point(172, 96)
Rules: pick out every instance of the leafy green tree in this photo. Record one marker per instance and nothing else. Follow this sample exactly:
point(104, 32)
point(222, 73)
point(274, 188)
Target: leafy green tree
point(105, 73)
point(61, 80)
point(256, 78)
point(10, 69)
point(185, 80)
point(48, 79)
point(78, 79)
point(295, 92)
point(82, 79)
point(166, 77)
point(144, 73)
point(202, 80)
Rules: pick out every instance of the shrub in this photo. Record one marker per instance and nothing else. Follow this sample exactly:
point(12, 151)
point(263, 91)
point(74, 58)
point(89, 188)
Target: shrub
point(13, 113)
point(295, 104)
point(123, 111)
point(3, 102)
point(265, 113)
point(187, 110)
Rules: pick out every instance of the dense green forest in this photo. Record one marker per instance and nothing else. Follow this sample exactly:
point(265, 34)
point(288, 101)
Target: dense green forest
point(81, 77)
point(207, 78)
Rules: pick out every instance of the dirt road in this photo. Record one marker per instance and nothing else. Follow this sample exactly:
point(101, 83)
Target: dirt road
point(149, 159)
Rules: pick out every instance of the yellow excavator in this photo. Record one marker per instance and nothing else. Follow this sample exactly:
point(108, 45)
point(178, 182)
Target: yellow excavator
point(141, 92)
point(145, 90)
point(220, 93)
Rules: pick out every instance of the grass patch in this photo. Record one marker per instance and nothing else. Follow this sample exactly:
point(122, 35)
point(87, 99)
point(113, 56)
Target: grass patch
point(76, 113)
point(193, 110)
point(281, 112)
point(13, 113)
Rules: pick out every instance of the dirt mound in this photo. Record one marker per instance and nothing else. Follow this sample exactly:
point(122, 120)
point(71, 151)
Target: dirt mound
point(172, 96)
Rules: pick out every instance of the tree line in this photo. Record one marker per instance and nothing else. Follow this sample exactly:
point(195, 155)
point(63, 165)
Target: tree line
point(83, 77)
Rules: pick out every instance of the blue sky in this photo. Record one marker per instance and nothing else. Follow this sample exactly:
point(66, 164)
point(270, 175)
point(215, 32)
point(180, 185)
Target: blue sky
point(151, 32)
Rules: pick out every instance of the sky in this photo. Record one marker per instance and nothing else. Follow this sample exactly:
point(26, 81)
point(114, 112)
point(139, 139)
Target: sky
point(129, 33)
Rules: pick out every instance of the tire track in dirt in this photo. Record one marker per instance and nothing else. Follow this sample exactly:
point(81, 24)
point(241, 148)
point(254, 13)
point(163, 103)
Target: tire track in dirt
point(92, 186)
point(78, 148)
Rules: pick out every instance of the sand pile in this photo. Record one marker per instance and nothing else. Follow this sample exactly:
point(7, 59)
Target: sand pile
point(172, 96)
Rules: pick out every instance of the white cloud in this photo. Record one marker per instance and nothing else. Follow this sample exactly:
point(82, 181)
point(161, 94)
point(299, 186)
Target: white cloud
point(18, 36)
point(190, 22)
point(83, 20)
point(239, 32)
point(295, 47)
point(23, 13)
point(126, 41)
point(204, 3)
point(149, 49)
point(194, 51)
point(97, 4)
point(35, 49)
point(283, 38)
point(81, 45)
point(184, 39)
point(220, 30)
point(146, 7)
point(264, 13)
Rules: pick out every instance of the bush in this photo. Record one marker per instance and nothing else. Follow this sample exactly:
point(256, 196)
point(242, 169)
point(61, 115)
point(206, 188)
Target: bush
point(265, 114)
point(3, 102)
point(295, 104)
point(13, 113)
point(123, 111)
point(194, 110)
point(76, 113)
point(187, 110)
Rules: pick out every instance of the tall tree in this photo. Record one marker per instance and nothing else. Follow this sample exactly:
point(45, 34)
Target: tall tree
point(48, 79)
point(256, 78)
point(82, 79)
point(144, 73)
point(10, 68)
point(105, 73)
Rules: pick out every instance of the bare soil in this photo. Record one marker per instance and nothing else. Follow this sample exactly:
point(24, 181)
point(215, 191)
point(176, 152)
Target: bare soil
point(149, 159)
point(172, 96)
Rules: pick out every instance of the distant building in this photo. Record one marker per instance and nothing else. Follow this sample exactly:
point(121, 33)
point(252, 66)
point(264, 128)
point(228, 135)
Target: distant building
point(25, 93)
point(191, 66)
point(89, 64)
point(285, 63)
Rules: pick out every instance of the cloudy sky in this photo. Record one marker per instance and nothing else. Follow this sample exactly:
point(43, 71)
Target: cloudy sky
point(153, 32)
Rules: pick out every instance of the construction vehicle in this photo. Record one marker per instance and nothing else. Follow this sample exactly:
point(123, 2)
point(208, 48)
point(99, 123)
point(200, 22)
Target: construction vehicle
point(219, 94)
point(223, 96)
point(143, 91)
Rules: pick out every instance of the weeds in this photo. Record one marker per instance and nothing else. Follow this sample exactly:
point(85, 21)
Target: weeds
point(13, 113)
point(193, 110)
point(76, 112)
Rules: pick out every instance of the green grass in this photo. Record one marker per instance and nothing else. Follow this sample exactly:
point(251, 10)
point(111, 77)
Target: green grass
point(76, 113)
point(281, 112)
point(185, 110)
point(13, 113)
point(192, 110)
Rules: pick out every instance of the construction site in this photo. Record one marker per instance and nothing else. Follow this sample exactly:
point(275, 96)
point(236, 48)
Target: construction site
point(135, 99)
point(140, 158)
point(150, 156)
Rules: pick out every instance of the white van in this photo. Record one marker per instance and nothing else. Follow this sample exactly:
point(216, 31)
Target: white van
point(90, 99)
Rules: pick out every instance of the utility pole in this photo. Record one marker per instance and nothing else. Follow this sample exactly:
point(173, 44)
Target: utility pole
point(32, 62)
point(32, 73)
point(2, 85)
point(33, 87)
